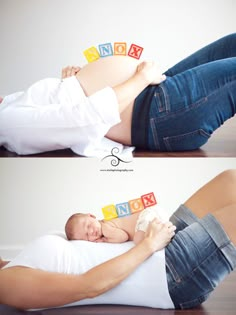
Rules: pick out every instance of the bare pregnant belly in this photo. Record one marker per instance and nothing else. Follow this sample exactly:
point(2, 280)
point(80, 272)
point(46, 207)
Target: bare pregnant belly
point(111, 71)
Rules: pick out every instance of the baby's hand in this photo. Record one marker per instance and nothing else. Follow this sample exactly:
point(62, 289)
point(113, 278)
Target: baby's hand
point(160, 233)
point(151, 72)
point(69, 71)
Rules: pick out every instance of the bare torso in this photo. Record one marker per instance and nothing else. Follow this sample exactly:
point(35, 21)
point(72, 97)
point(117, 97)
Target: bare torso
point(126, 224)
point(111, 71)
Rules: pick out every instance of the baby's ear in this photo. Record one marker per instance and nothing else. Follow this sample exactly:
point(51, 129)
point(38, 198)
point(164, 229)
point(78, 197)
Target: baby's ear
point(92, 215)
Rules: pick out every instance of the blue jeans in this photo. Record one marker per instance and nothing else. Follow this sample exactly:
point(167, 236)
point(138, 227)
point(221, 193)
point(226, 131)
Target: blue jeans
point(197, 97)
point(197, 259)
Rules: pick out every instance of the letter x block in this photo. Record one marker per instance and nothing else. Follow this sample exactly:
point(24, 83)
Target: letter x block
point(105, 50)
point(109, 212)
point(136, 205)
point(123, 209)
point(135, 51)
point(149, 200)
point(120, 48)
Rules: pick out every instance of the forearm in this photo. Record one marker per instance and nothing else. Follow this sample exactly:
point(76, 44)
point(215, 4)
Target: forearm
point(138, 236)
point(28, 288)
point(109, 274)
point(127, 91)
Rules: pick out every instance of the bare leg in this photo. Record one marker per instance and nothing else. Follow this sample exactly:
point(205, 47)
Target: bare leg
point(227, 217)
point(218, 197)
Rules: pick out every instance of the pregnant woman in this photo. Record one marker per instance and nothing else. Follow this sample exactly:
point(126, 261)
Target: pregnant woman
point(118, 100)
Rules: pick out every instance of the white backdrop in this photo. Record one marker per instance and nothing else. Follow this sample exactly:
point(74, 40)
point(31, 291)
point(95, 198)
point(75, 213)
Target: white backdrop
point(38, 38)
point(38, 195)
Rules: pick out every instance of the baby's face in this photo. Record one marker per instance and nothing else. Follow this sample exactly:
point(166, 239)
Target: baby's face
point(87, 228)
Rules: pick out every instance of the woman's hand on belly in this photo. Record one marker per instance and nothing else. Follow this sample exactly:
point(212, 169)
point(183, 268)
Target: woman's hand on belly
point(151, 72)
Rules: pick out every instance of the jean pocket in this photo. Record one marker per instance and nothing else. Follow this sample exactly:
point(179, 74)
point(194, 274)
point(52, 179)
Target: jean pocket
point(187, 141)
point(161, 99)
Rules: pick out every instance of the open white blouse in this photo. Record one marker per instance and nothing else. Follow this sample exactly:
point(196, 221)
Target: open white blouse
point(55, 114)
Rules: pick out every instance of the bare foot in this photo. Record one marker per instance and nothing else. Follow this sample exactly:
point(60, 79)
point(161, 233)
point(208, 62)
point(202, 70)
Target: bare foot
point(1, 99)
point(3, 263)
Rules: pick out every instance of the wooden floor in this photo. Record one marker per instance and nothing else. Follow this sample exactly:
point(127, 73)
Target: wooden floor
point(221, 302)
point(221, 144)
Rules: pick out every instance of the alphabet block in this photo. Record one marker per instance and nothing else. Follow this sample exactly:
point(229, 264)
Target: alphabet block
point(109, 212)
point(120, 48)
point(135, 51)
point(91, 54)
point(123, 209)
point(136, 205)
point(105, 50)
point(148, 200)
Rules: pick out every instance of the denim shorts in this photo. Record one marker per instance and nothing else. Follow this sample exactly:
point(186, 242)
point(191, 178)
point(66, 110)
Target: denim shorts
point(197, 259)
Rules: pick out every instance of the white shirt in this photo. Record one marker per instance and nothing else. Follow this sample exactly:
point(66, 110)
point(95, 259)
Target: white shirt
point(55, 114)
point(146, 286)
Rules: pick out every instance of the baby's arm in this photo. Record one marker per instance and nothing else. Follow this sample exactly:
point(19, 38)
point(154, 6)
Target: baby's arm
point(112, 234)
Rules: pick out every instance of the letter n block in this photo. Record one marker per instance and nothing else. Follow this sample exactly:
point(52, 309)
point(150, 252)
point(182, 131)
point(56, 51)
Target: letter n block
point(120, 48)
point(123, 209)
point(91, 54)
point(105, 50)
point(109, 212)
point(136, 205)
point(149, 200)
point(135, 51)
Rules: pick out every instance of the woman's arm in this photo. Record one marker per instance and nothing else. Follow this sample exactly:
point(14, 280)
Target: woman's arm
point(126, 92)
point(26, 288)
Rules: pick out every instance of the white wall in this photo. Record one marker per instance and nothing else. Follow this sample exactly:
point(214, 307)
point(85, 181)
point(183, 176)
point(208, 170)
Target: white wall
point(38, 38)
point(38, 195)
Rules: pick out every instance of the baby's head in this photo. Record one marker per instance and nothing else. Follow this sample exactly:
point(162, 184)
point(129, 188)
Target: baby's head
point(83, 226)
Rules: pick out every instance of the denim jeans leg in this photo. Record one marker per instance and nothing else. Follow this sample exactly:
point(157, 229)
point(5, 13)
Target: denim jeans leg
point(188, 107)
point(222, 48)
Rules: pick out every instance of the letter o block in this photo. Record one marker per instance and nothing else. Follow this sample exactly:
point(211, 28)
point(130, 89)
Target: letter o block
point(136, 205)
point(120, 48)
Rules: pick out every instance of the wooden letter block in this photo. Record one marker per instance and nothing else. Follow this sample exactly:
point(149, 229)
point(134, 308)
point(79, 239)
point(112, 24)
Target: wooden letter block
point(120, 48)
point(135, 51)
point(149, 200)
point(123, 209)
point(105, 50)
point(136, 205)
point(91, 54)
point(109, 212)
